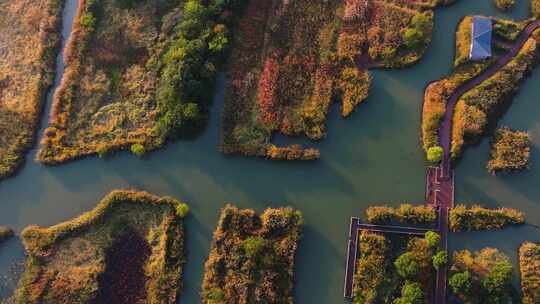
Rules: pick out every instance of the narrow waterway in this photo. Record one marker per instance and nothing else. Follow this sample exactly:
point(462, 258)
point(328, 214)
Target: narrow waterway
point(373, 157)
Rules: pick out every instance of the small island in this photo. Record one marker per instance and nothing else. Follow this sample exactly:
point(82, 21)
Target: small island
point(510, 151)
point(529, 265)
point(252, 257)
point(138, 73)
point(398, 255)
point(29, 39)
point(483, 82)
point(129, 249)
point(483, 277)
point(476, 218)
point(292, 59)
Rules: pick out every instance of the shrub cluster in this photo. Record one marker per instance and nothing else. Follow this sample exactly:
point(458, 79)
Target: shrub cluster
point(478, 218)
point(405, 214)
point(68, 262)
point(484, 277)
point(510, 151)
point(190, 63)
point(529, 266)
point(252, 257)
point(535, 8)
point(504, 5)
point(5, 233)
point(393, 269)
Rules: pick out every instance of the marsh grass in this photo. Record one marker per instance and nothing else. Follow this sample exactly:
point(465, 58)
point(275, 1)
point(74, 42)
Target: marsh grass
point(29, 40)
point(72, 262)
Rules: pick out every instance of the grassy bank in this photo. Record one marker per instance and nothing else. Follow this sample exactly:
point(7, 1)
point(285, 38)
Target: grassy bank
point(479, 218)
point(483, 277)
point(129, 249)
point(252, 257)
point(139, 73)
point(292, 59)
point(29, 40)
point(395, 269)
point(529, 266)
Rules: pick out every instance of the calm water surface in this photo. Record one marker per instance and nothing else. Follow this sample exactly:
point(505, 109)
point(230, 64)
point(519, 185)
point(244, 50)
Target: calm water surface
point(373, 157)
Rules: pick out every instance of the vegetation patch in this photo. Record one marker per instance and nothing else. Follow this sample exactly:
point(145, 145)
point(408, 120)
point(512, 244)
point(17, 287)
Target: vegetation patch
point(129, 249)
point(252, 257)
point(480, 108)
point(529, 266)
point(405, 214)
point(395, 269)
point(504, 5)
point(5, 233)
point(138, 74)
point(479, 218)
point(483, 277)
point(292, 59)
point(510, 151)
point(28, 43)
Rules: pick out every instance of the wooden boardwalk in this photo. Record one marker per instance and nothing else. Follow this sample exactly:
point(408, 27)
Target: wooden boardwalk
point(352, 257)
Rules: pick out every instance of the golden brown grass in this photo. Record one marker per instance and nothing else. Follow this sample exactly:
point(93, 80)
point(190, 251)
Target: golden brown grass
point(529, 266)
point(479, 218)
point(252, 257)
point(28, 42)
point(67, 262)
point(106, 100)
point(510, 151)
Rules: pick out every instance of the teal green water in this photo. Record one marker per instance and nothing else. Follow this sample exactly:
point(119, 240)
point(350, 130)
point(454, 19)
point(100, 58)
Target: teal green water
point(373, 157)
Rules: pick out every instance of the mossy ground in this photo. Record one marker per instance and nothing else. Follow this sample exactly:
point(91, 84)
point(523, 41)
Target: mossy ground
point(28, 43)
point(129, 249)
point(252, 257)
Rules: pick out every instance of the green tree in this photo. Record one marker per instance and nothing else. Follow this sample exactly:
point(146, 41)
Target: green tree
point(138, 150)
point(440, 259)
point(435, 154)
point(461, 283)
point(497, 282)
point(254, 246)
point(433, 239)
point(407, 266)
point(182, 210)
point(411, 293)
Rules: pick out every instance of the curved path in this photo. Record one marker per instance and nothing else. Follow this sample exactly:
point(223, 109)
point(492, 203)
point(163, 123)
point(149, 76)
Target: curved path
point(445, 130)
point(440, 180)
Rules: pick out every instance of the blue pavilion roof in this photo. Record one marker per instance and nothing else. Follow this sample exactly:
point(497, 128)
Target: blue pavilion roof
point(480, 38)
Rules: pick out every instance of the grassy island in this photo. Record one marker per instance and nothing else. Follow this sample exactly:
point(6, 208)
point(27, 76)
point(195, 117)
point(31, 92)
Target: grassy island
point(478, 110)
point(396, 269)
point(479, 218)
point(292, 59)
point(129, 249)
point(529, 266)
point(138, 73)
point(405, 214)
point(252, 257)
point(29, 39)
point(5, 233)
point(483, 277)
point(510, 151)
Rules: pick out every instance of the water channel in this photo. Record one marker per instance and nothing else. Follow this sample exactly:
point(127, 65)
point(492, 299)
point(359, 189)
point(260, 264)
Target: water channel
point(374, 157)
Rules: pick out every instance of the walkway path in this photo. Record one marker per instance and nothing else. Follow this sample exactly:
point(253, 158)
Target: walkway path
point(440, 180)
point(440, 186)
